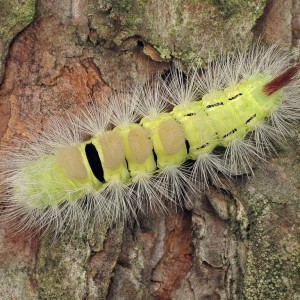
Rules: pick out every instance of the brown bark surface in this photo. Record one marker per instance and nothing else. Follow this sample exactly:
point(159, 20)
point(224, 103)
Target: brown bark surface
point(241, 242)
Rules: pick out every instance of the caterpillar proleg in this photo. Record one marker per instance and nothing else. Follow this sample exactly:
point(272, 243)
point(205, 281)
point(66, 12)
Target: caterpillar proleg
point(141, 151)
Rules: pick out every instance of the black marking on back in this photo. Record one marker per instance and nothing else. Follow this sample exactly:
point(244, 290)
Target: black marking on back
point(190, 114)
point(214, 105)
point(230, 133)
point(187, 145)
point(234, 97)
point(155, 157)
point(127, 166)
point(94, 161)
point(203, 146)
point(250, 119)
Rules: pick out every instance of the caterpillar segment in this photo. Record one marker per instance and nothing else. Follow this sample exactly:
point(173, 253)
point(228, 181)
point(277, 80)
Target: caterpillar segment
point(146, 154)
point(169, 139)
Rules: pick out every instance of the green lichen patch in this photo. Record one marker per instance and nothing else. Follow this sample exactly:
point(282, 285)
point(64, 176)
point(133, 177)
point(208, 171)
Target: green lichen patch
point(14, 16)
point(273, 264)
point(272, 197)
point(61, 267)
point(230, 7)
point(78, 263)
point(188, 30)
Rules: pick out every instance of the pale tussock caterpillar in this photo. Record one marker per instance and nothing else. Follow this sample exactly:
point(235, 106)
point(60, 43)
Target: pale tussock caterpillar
point(140, 149)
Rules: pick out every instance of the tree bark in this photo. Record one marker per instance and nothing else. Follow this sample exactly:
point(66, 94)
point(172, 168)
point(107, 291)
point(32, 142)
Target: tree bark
point(240, 242)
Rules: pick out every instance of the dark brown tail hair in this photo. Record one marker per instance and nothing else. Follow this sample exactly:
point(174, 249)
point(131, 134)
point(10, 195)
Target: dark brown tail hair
point(281, 80)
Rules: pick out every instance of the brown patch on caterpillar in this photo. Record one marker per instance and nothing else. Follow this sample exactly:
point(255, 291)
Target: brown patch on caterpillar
point(280, 81)
point(70, 159)
point(172, 137)
point(140, 144)
point(113, 149)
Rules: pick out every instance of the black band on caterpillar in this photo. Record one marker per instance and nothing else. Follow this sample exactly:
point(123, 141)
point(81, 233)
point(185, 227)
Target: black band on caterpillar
point(94, 161)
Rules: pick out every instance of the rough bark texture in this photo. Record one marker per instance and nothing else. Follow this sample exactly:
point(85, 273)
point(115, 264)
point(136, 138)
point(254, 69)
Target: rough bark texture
point(230, 244)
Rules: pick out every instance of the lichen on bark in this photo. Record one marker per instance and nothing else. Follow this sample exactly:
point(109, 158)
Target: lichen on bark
point(273, 262)
point(187, 30)
point(15, 15)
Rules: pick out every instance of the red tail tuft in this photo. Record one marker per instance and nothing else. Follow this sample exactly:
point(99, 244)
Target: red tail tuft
point(281, 80)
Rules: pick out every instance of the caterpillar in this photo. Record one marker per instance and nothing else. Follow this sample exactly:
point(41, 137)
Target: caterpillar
point(154, 143)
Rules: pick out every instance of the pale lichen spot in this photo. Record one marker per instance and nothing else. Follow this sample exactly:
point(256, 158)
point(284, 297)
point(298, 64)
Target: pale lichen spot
point(171, 134)
point(140, 144)
point(70, 159)
point(113, 149)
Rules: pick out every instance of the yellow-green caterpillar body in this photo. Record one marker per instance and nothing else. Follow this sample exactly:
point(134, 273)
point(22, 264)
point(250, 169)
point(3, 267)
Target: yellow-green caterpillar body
point(241, 104)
